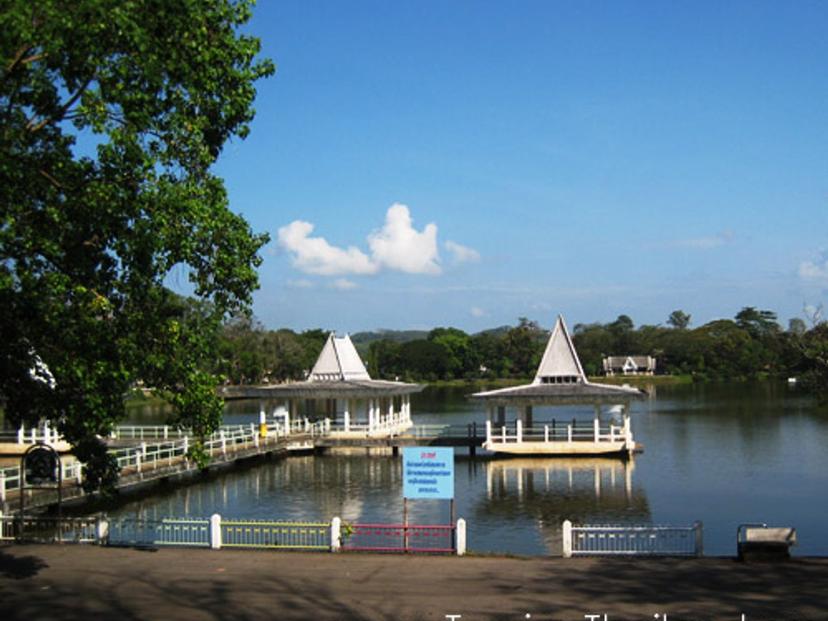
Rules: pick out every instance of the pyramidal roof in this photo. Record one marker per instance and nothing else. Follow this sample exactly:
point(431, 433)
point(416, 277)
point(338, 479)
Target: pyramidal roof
point(560, 360)
point(338, 361)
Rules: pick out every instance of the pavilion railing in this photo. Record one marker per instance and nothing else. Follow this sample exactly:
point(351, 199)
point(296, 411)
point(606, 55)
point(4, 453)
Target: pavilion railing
point(632, 540)
point(570, 431)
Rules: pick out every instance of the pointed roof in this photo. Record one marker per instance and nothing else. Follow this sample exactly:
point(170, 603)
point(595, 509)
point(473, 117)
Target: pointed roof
point(560, 360)
point(338, 361)
point(560, 379)
point(339, 373)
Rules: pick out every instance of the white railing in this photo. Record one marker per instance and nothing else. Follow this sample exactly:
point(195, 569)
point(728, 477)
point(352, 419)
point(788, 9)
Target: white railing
point(149, 456)
point(568, 432)
point(633, 540)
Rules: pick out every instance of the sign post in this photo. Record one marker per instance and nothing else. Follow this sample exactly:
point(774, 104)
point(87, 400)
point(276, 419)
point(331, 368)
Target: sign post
point(428, 474)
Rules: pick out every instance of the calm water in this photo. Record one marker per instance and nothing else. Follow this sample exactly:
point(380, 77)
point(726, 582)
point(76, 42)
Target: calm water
point(723, 454)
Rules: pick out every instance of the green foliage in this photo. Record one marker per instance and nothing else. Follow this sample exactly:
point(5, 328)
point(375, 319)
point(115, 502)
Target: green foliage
point(679, 319)
point(112, 113)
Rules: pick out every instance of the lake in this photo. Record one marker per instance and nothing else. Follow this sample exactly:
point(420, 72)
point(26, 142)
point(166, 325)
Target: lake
point(724, 454)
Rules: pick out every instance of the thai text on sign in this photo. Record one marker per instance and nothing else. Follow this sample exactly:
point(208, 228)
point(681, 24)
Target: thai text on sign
point(428, 472)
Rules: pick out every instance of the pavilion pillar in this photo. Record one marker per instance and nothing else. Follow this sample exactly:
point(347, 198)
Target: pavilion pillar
point(346, 415)
point(390, 409)
point(596, 423)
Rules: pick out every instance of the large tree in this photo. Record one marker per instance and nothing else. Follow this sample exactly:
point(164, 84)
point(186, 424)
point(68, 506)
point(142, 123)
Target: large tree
point(112, 113)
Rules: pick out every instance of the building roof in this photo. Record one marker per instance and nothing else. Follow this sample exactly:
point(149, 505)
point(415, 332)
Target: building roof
point(338, 360)
point(560, 379)
point(339, 373)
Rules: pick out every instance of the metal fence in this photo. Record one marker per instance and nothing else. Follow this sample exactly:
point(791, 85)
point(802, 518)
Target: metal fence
point(191, 532)
point(48, 529)
point(409, 538)
point(619, 540)
point(276, 535)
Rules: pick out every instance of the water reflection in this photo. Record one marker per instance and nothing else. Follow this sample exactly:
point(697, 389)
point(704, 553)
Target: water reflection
point(551, 490)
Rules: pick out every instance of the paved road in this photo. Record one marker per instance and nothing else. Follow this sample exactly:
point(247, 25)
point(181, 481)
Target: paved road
point(89, 582)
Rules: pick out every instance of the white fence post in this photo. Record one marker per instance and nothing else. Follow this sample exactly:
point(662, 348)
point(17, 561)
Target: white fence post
point(566, 536)
point(519, 430)
point(21, 435)
point(546, 433)
point(336, 534)
point(569, 433)
point(102, 531)
point(698, 527)
point(595, 430)
point(215, 531)
point(461, 537)
point(223, 442)
point(2, 487)
point(489, 431)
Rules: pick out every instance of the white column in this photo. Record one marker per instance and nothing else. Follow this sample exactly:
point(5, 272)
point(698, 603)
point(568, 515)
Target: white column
point(698, 527)
point(461, 537)
point(488, 431)
point(101, 531)
point(595, 429)
point(215, 531)
point(20, 435)
point(519, 430)
point(569, 433)
point(566, 536)
point(346, 415)
point(336, 534)
point(2, 491)
point(546, 433)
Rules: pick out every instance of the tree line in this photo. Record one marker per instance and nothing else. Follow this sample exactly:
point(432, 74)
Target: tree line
point(751, 345)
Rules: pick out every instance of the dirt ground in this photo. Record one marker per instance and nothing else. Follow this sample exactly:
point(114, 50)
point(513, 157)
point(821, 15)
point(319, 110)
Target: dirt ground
point(90, 582)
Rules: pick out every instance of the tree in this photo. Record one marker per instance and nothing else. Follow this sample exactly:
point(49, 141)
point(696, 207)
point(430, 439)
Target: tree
point(679, 320)
point(111, 116)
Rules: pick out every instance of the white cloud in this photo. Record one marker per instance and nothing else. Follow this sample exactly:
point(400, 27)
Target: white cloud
point(461, 253)
point(815, 270)
point(343, 284)
point(314, 255)
point(399, 246)
point(476, 311)
point(299, 284)
point(396, 246)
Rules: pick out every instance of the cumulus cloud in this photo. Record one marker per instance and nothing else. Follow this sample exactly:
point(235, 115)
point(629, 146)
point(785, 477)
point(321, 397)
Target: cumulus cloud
point(314, 255)
point(399, 246)
point(343, 284)
point(815, 270)
point(461, 253)
point(476, 311)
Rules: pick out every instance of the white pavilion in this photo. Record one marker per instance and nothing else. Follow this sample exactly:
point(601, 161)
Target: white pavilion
point(560, 381)
point(340, 393)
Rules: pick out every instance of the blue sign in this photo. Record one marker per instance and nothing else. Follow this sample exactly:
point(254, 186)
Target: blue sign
point(428, 472)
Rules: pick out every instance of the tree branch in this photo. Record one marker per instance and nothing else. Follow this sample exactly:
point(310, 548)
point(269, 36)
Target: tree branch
point(34, 127)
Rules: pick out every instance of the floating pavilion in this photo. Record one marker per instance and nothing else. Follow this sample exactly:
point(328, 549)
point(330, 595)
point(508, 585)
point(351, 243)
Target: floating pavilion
point(340, 394)
point(559, 381)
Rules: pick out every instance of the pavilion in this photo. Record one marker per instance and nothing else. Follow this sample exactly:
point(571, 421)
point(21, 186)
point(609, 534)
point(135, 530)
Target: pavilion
point(340, 393)
point(559, 381)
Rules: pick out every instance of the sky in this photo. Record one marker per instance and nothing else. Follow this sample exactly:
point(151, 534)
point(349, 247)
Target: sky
point(431, 163)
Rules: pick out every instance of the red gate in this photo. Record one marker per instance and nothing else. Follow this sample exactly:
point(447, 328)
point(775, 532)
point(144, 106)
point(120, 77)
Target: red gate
point(411, 538)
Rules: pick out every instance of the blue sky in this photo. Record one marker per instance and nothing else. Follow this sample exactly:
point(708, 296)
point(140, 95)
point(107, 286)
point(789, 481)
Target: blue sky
point(424, 163)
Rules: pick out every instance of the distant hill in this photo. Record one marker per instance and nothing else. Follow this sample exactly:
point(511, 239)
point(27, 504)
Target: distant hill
point(363, 339)
point(499, 331)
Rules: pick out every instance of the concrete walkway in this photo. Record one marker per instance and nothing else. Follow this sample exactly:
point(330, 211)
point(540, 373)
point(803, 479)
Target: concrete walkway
point(88, 582)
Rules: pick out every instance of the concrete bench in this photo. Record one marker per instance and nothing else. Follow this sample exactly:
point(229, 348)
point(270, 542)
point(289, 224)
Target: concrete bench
point(760, 542)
